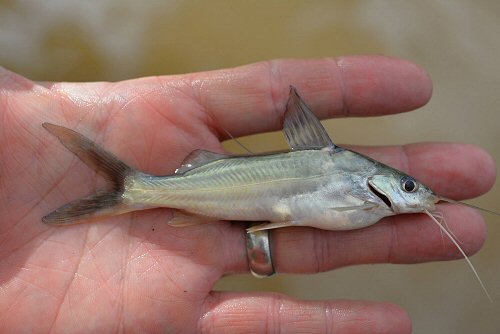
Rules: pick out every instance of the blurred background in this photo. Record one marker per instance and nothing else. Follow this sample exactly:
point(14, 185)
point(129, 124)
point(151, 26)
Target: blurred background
point(457, 42)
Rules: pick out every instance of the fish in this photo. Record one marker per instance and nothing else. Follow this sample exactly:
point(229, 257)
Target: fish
point(315, 183)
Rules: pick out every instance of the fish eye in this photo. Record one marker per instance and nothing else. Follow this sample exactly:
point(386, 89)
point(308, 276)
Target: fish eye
point(409, 184)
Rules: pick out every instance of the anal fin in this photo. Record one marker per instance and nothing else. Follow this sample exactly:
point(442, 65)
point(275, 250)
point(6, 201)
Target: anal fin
point(181, 219)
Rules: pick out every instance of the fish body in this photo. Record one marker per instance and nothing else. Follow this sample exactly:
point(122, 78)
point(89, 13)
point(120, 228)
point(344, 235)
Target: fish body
point(315, 183)
point(302, 187)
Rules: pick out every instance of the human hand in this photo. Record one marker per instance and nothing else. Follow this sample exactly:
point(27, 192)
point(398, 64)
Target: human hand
point(135, 272)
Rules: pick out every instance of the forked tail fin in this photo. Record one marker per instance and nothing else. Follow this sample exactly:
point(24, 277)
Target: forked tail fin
point(102, 203)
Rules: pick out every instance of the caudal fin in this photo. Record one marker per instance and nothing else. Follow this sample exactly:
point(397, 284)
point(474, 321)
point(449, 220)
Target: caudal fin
point(102, 203)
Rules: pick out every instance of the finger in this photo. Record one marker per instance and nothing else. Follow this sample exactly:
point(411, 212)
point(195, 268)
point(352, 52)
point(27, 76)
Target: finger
point(273, 313)
point(251, 99)
point(457, 171)
point(399, 239)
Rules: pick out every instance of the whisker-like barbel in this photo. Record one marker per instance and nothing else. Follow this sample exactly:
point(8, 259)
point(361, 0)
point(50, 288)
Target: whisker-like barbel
point(448, 234)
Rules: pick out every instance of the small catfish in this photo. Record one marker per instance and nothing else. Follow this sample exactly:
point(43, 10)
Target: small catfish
point(316, 183)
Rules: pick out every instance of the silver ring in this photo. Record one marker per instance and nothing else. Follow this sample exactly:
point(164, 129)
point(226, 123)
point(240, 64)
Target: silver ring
point(259, 256)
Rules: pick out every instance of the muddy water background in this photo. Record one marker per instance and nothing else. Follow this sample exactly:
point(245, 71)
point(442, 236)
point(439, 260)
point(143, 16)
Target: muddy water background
point(455, 41)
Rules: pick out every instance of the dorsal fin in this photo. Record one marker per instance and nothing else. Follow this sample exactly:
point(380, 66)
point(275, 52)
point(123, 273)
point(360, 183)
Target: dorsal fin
point(197, 158)
point(302, 128)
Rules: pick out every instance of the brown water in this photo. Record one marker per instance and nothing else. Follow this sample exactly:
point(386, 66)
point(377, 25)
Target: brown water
point(456, 42)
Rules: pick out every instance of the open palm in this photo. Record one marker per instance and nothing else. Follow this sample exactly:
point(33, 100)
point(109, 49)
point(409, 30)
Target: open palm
point(134, 272)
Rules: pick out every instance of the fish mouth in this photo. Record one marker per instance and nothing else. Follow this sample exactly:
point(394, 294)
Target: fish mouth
point(377, 192)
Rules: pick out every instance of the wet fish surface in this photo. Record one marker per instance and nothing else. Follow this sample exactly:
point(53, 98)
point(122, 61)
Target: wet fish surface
point(316, 183)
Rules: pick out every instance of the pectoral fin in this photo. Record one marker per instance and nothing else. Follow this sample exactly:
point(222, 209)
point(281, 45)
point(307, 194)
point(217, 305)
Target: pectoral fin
point(269, 226)
point(365, 206)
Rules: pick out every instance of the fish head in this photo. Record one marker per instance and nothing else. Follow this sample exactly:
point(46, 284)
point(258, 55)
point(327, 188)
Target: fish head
point(401, 192)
